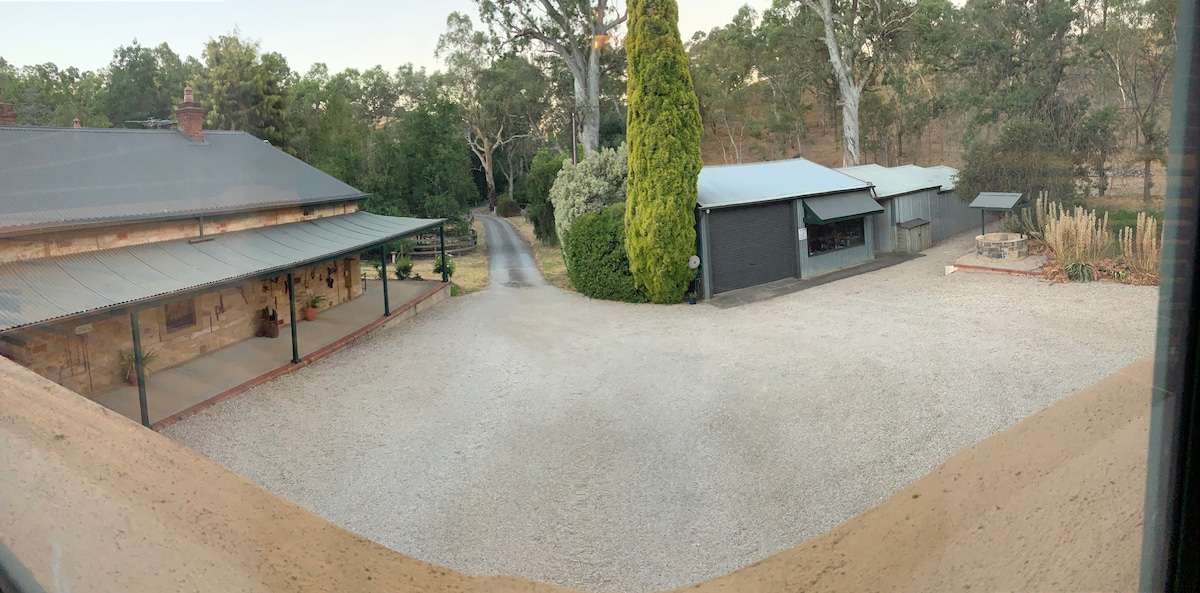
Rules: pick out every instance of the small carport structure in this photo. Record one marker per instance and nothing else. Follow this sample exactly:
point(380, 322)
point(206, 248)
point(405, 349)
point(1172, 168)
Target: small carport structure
point(996, 202)
point(761, 222)
point(99, 285)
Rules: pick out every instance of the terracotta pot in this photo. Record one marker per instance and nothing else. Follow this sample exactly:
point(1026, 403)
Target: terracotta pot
point(310, 314)
point(131, 377)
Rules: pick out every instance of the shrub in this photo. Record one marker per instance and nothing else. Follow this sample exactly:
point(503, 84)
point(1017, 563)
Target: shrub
point(447, 263)
point(1141, 246)
point(378, 267)
point(403, 267)
point(663, 133)
point(597, 181)
point(594, 250)
point(507, 207)
point(1077, 236)
point(535, 193)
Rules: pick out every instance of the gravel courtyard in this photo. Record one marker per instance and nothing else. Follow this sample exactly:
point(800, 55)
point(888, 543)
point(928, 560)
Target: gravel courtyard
point(610, 447)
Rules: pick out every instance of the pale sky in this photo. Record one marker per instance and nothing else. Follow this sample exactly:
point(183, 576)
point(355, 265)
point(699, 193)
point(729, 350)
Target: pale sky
point(343, 34)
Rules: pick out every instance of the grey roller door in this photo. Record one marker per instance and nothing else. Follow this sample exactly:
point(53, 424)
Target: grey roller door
point(751, 245)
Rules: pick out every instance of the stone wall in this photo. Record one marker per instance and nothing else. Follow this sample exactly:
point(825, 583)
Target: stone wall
point(83, 355)
point(93, 239)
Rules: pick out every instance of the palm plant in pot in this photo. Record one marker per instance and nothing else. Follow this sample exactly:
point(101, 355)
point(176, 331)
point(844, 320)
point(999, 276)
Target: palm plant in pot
point(313, 304)
point(129, 363)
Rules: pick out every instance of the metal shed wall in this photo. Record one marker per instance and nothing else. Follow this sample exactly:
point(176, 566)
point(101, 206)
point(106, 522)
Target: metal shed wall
point(885, 227)
point(947, 215)
point(815, 265)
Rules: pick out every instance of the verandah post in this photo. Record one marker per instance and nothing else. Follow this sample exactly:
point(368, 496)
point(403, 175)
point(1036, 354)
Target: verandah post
point(140, 365)
point(291, 286)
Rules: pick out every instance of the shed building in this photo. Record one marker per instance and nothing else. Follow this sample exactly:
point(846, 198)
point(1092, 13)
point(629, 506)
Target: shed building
point(908, 193)
point(761, 222)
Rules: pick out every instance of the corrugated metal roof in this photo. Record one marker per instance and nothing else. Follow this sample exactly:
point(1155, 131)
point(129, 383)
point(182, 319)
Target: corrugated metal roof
point(43, 290)
point(829, 208)
point(906, 179)
point(61, 176)
point(992, 200)
point(751, 183)
point(912, 224)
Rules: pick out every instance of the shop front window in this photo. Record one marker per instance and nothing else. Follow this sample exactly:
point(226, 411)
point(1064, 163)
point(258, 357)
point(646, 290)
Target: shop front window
point(823, 238)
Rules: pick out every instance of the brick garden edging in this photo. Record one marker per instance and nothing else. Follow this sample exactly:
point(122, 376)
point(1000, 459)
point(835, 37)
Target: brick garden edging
point(441, 291)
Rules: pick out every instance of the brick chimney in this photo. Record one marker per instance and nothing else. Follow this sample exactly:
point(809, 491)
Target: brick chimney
point(190, 115)
point(8, 115)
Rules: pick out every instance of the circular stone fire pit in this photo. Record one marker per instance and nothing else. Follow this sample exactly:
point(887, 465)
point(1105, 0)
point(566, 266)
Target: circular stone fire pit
point(1001, 246)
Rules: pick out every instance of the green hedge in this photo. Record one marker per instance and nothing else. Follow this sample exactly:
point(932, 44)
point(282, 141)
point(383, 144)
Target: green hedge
point(594, 249)
point(507, 207)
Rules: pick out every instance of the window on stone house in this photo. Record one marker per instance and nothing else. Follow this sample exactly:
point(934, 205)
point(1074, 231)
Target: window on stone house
point(180, 314)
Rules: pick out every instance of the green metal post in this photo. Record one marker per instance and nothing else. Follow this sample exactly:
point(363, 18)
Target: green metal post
point(292, 305)
point(140, 365)
point(383, 271)
point(442, 240)
point(982, 222)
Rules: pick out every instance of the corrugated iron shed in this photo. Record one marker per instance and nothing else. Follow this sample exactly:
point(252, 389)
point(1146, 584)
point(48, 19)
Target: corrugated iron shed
point(752, 183)
point(42, 290)
point(990, 200)
point(56, 177)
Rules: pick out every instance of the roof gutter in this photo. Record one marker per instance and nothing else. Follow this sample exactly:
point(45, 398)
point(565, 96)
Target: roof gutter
point(164, 217)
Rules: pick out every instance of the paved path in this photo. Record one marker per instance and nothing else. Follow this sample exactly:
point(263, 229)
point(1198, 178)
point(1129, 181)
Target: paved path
point(511, 262)
point(607, 446)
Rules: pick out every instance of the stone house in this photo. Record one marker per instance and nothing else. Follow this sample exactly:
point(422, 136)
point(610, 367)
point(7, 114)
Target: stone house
point(189, 235)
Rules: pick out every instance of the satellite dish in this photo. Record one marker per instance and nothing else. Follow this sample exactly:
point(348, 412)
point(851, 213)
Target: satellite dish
point(694, 262)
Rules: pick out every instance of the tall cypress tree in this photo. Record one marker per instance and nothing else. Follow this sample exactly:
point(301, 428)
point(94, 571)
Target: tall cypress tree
point(663, 137)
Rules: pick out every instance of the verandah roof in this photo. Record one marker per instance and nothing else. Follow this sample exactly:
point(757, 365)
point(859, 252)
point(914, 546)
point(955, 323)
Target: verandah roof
point(40, 291)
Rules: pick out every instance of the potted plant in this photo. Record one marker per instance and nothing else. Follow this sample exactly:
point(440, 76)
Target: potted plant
point(313, 304)
point(129, 363)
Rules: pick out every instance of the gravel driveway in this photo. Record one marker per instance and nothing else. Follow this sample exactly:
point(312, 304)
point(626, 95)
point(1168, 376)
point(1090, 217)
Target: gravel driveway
point(533, 432)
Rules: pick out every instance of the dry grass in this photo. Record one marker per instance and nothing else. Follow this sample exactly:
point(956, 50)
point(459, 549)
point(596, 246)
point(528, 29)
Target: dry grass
point(549, 258)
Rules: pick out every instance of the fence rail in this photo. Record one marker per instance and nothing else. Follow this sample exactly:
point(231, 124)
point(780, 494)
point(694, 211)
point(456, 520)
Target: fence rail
point(429, 245)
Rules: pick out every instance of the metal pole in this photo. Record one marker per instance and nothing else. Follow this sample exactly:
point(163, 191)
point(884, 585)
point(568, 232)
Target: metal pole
point(574, 143)
point(141, 367)
point(442, 240)
point(982, 222)
point(292, 306)
point(387, 307)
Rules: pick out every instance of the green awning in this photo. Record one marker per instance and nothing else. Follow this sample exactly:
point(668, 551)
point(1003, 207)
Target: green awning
point(38, 291)
point(826, 209)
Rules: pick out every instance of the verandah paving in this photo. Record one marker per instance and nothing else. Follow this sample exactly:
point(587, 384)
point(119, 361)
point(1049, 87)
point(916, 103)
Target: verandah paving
point(181, 387)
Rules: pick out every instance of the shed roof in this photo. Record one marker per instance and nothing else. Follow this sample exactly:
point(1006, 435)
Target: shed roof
point(44, 290)
point(890, 182)
point(751, 183)
point(991, 200)
point(58, 177)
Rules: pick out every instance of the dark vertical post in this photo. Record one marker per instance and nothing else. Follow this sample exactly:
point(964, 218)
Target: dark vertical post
point(140, 365)
point(442, 240)
point(982, 221)
point(292, 307)
point(387, 307)
point(1171, 522)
